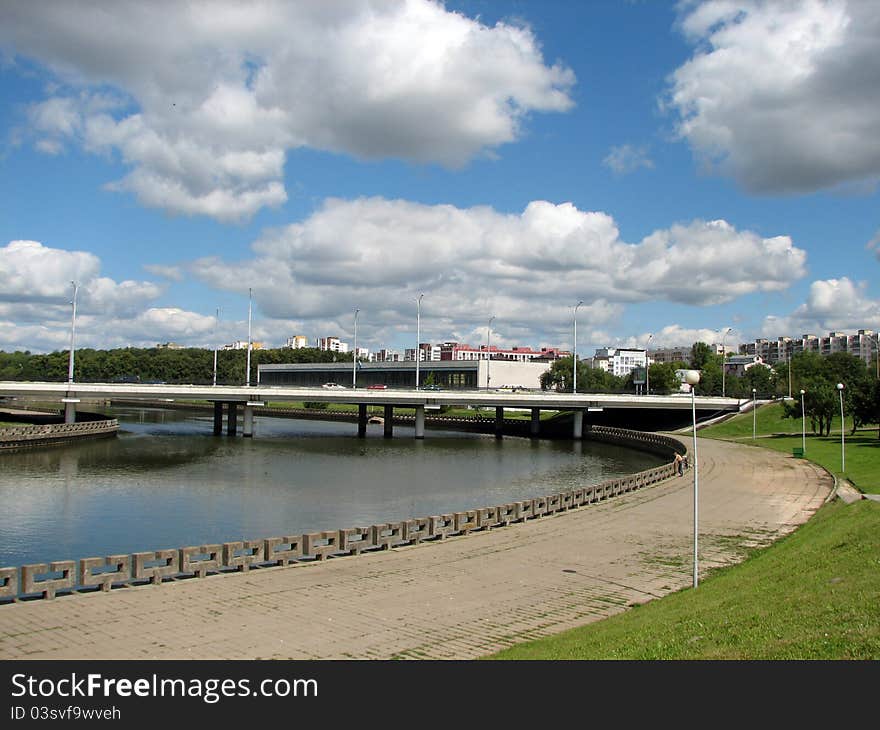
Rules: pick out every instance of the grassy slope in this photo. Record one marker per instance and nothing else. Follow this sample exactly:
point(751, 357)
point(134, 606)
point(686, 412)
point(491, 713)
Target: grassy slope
point(813, 595)
point(862, 450)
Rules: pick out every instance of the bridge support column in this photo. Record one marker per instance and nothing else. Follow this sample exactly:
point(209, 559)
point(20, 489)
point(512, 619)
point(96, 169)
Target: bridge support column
point(70, 411)
point(232, 419)
point(578, 429)
point(218, 417)
point(248, 422)
point(499, 422)
point(535, 428)
point(420, 422)
point(362, 420)
point(389, 422)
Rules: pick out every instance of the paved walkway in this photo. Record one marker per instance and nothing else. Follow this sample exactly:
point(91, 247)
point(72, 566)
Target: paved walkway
point(462, 598)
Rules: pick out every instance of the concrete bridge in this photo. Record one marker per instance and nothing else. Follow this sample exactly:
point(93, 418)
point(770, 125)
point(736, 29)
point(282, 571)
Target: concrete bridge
point(233, 397)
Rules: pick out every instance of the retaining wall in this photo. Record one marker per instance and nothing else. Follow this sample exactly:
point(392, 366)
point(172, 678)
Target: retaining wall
point(23, 437)
point(118, 571)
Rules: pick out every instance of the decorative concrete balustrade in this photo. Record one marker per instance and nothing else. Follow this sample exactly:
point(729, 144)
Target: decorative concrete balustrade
point(24, 436)
point(117, 571)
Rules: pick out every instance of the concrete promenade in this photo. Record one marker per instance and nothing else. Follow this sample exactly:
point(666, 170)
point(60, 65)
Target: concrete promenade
point(458, 599)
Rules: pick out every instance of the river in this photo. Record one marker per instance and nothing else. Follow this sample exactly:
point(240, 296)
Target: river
point(167, 482)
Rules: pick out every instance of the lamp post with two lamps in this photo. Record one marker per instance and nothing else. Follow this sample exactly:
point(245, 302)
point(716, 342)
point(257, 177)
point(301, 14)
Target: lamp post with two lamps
point(250, 345)
point(647, 367)
point(216, 325)
point(692, 377)
point(574, 357)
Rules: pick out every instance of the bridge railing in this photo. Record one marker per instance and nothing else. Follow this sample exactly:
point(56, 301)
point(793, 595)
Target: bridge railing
point(117, 571)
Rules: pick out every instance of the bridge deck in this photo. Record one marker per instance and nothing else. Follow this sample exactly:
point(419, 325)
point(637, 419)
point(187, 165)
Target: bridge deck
point(462, 598)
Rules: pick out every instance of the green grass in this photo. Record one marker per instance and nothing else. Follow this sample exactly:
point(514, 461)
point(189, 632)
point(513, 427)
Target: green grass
point(862, 450)
point(812, 595)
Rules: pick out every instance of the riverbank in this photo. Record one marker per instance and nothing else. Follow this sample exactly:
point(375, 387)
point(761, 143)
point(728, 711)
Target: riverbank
point(24, 429)
point(460, 598)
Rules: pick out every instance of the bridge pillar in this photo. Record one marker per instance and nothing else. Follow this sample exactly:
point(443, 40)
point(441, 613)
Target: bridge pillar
point(420, 422)
point(232, 419)
point(248, 422)
point(362, 420)
point(499, 421)
point(535, 428)
point(70, 410)
point(578, 430)
point(388, 422)
point(218, 417)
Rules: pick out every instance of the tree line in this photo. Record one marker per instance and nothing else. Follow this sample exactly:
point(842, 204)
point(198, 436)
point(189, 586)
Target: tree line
point(153, 365)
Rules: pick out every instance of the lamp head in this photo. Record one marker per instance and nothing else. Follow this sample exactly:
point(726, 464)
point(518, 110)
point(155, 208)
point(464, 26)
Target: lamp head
point(803, 391)
point(691, 377)
point(840, 386)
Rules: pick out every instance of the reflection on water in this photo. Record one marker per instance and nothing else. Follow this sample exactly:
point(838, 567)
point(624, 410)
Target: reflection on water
point(166, 482)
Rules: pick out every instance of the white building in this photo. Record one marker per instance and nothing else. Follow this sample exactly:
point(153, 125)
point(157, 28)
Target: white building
point(737, 365)
point(332, 344)
point(297, 342)
point(619, 361)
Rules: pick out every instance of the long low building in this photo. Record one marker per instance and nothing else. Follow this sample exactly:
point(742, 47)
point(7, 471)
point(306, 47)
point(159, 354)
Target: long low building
point(449, 375)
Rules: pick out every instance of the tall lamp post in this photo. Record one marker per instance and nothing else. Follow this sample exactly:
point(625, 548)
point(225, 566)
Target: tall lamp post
point(754, 414)
point(574, 358)
point(418, 335)
point(488, 349)
point(354, 361)
point(692, 377)
point(216, 324)
point(803, 424)
point(72, 333)
point(842, 442)
point(250, 307)
point(647, 368)
point(724, 363)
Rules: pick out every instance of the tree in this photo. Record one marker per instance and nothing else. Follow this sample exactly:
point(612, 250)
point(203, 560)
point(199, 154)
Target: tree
point(663, 378)
point(701, 353)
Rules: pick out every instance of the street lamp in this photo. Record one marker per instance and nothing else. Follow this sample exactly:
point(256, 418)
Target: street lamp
point(724, 363)
point(647, 368)
point(488, 349)
point(842, 444)
point(354, 362)
point(574, 358)
point(754, 414)
point(803, 424)
point(418, 335)
point(250, 307)
point(692, 377)
point(216, 324)
point(72, 333)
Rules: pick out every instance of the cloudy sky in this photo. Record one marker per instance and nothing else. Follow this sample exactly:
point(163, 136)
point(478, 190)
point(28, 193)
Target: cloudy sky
point(681, 168)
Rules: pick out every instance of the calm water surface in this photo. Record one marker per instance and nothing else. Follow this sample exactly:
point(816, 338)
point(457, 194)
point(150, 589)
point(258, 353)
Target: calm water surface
point(166, 482)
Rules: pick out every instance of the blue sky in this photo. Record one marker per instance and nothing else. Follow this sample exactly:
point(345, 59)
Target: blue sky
point(681, 168)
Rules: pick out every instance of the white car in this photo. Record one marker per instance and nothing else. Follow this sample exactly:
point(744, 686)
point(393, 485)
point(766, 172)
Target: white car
point(332, 385)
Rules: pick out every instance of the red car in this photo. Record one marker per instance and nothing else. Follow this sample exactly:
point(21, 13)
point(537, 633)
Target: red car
point(377, 387)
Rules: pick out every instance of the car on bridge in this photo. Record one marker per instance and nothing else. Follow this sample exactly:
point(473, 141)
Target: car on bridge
point(332, 385)
point(377, 386)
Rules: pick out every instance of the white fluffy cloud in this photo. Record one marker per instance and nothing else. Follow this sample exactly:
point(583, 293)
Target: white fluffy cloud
point(832, 304)
point(782, 94)
point(206, 98)
point(528, 270)
point(35, 304)
point(675, 335)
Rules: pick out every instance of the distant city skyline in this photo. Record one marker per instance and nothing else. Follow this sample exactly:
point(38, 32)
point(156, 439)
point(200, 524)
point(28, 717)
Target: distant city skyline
point(690, 171)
